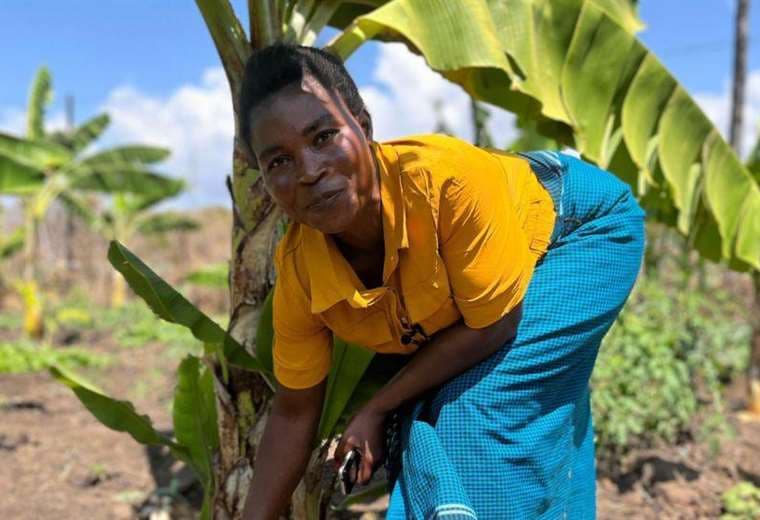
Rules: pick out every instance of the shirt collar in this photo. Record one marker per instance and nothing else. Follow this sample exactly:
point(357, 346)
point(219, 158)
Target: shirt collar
point(330, 277)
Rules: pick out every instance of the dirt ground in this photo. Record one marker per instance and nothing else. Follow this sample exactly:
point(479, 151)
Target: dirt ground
point(59, 462)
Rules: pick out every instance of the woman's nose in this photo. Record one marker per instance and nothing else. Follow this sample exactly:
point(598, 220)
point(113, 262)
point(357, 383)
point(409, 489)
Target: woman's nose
point(312, 169)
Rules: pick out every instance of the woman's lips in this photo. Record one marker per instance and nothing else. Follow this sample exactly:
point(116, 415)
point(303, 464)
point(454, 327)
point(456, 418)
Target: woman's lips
point(324, 200)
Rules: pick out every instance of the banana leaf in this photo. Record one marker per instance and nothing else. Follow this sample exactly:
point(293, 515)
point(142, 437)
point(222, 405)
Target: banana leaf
point(40, 96)
point(576, 67)
point(19, 179)
point(194, 414)
point(121, 178)
point(128, 154)
point(39, 155)
point(117, 415)
point(164, 222)
point(171, 306)
point(87, 132)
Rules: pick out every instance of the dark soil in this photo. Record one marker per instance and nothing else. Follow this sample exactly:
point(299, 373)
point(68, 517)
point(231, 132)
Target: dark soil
point(60, 462)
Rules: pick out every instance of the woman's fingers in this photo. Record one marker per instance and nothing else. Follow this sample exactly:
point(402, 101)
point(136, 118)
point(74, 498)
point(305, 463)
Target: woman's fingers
point(345, 445)
point(365, 471)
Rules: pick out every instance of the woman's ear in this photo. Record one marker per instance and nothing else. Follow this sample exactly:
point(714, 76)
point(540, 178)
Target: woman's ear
point(365, 120)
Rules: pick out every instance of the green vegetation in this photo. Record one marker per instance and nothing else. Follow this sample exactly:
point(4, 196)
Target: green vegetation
point(42, 167)
point(134, 326)
point(663, 365)
point(589, 84)
point(741, 502)
point(22, 357)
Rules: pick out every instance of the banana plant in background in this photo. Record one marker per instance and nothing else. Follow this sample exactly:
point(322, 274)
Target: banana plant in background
point(573, 68)
point(41, 167)
point(129, 214)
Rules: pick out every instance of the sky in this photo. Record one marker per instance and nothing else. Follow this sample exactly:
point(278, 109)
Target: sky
point(152, 66)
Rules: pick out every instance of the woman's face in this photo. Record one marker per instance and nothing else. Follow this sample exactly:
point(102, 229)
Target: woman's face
point(314, 155)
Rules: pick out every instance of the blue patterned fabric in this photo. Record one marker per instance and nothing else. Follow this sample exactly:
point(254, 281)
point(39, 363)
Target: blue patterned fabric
point(512, 437)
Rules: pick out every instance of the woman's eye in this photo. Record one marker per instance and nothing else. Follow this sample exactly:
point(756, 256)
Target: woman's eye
point(274, 163)
point(325, 135)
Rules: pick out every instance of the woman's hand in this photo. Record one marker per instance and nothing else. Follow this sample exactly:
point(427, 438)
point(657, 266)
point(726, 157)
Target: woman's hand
point(366, 432)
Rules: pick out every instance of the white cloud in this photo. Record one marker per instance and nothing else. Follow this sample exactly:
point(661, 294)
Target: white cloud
point(718, 109)
point(195, 121)
point(401, 94)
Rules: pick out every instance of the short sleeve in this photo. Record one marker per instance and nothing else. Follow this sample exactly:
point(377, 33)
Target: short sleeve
point(483, 246)
point(302, 350)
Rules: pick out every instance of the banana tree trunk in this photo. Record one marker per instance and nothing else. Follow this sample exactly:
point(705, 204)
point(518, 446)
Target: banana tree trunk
point(243, 402)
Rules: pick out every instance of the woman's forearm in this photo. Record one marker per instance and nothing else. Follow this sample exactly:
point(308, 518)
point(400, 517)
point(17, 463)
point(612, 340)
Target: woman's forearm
point(447, 354)
point(281, 460)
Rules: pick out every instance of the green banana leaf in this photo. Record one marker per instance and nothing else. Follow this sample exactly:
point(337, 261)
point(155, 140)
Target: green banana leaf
point(39, 155)
point(129, 154)
point(171, 306)
point(19, 179)
point(349, 365)
point(134, 203)
point(88, 132)
point(194, 414)
point(265, 333)
point(530, 139)
point(120, 178)
point(163, 222)
point(40, 96)
point(576, 67)
point(117, 415)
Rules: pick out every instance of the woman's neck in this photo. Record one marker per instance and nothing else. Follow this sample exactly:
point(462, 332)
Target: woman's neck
point(366, 236)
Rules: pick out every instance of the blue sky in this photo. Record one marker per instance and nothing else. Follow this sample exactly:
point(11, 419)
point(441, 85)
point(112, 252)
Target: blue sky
point(150, 55)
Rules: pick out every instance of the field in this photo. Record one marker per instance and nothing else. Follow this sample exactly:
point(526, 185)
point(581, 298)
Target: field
point(60, 462)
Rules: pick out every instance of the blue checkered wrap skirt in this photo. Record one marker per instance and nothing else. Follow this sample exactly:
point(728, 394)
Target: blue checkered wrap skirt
point(512, 437)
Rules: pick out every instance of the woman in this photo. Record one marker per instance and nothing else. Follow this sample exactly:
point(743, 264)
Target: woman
point(494, 275)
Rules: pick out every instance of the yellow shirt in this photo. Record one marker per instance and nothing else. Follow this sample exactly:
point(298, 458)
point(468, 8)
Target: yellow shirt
point(463, 228)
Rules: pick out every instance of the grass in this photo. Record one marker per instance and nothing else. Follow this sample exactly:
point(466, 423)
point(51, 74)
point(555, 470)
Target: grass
point(23, 357)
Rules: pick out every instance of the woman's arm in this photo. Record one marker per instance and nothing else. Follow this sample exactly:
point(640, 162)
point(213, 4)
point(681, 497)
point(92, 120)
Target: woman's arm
point(448, 353)
point(284, 451)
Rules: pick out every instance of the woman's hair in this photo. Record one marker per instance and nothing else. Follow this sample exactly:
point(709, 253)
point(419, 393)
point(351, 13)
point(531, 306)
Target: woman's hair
point(270, 69)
